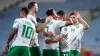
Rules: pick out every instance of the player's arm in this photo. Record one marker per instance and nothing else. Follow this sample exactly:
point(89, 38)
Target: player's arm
point(63, 33)
point(49, 34)
point(13, 32)
point(56, 39)
point(85, 24)
point(41, 20)
point(11, 36)
point(66, 22)
point(40, 28)
point(69, 22)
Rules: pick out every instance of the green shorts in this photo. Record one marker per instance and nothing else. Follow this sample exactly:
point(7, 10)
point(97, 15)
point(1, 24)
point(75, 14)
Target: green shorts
point(35, 51)
point(64, 53)
point(74, 53)
point(19, 51)
point(48, 52)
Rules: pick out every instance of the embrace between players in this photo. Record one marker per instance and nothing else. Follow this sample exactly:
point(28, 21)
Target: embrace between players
point(62, 35)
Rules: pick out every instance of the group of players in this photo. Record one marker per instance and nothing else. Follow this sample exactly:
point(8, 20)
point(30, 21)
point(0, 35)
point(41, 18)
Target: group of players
point(62, 35)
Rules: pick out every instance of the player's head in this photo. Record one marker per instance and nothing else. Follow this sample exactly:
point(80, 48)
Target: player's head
point(51, 12)
point(61, 14)
point(73, 17)
point(23, 12)
point(33, 7)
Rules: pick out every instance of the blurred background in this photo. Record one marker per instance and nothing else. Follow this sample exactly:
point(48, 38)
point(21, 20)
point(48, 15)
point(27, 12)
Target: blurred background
point(89, 10)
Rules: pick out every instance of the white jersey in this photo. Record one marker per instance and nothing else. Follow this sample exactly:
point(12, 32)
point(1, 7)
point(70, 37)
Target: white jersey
point(54, 27)
point(34, 42)
point(76, 33)
point(25, 32)
point(72, 39)
point(64, 44)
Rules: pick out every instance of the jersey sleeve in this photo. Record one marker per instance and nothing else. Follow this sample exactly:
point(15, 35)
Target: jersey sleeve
point(61, 23)
point(16, 23)
point(64, 31)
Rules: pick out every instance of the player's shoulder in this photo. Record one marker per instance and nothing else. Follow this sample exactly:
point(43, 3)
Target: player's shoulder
point(81, 25)
point(30, 16)
point(30, 22)
point(58, 21)
point(17, 19)
point(20, 19)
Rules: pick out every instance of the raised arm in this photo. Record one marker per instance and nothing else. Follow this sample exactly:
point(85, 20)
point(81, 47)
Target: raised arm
point(40, 28)
point(85, 24)
point(69, 22)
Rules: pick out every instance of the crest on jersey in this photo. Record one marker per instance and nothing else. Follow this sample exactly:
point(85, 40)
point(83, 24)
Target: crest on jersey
point(65, 29)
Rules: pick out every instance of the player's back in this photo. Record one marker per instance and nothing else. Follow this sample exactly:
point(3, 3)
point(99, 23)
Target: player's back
point(25, 32)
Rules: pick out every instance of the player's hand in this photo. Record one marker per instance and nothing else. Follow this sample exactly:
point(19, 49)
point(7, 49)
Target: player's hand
point(48, 19)
point(7, 47)
point(49, 34)
point(77, 15)
point(47, 41)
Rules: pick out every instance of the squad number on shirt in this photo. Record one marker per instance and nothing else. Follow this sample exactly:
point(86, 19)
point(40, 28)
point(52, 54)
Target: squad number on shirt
point(27, 32)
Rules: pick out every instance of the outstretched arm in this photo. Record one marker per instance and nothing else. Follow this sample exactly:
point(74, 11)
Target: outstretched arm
point(56, 39)
point(40, 28)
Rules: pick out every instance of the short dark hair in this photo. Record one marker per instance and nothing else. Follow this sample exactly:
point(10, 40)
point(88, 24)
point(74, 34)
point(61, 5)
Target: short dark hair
point(72, 13)
point(61, 12)
point(31, 4)
point(49, 11)
point(25, 10)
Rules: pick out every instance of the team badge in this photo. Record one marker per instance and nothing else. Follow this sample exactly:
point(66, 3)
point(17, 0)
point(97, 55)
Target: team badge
point(65, 29)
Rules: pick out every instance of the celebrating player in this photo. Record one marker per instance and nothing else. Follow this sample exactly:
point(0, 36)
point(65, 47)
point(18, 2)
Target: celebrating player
point(70, 36)
point(77, 32)
point(64, 47)
point(33, 9)
point(23, 31)
point(52, 49)
point(61, 15)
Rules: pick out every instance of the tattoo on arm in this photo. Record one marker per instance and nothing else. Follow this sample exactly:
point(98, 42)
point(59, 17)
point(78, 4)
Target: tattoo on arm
point(11, 36)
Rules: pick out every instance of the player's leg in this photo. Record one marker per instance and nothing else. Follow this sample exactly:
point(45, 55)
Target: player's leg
point(74, 53)
point(48, 52)
point(77, 53)
point(35, 51)
point(14, 51)
point(67, 53)
point(25, 51)
point(45, 52)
